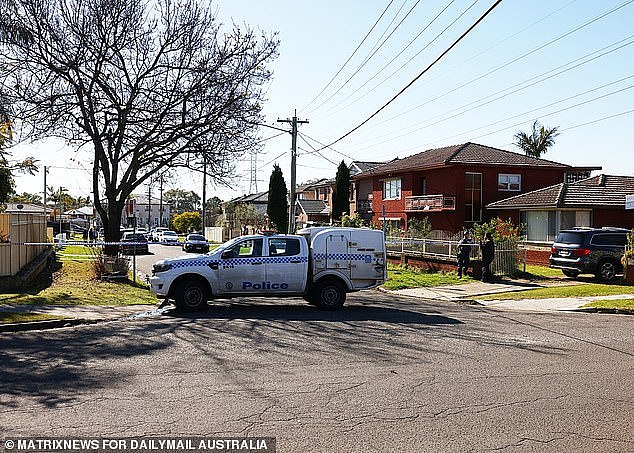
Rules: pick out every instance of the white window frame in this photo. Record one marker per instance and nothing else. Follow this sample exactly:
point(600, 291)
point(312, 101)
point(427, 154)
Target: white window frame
point(505, 179)
point(392, 189)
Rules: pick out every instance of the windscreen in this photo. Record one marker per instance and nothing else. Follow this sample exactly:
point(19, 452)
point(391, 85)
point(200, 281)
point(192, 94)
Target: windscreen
point(568, 237)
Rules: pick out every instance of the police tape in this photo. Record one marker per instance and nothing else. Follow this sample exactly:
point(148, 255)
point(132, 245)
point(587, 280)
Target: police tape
point(96, 243)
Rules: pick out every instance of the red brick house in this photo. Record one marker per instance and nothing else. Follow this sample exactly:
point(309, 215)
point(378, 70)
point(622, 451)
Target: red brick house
point(450, 186)
point(593, 202)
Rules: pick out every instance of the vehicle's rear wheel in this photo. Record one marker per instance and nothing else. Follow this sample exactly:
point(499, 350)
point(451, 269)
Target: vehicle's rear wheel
point(329, 295)
point(606, 270)
point(571, 274)
point(190, 295)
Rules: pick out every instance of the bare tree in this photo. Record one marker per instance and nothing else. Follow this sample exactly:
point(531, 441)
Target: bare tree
point(141, 87)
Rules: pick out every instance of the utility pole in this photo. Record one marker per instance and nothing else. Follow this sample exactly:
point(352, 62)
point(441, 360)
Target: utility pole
point(204, 194)
point(291, 212)
point(161, 203)
point(44, 199)
point(149, 205)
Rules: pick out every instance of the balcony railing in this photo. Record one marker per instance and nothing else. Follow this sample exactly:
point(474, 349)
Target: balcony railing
point(364, 205)
point(430, 203)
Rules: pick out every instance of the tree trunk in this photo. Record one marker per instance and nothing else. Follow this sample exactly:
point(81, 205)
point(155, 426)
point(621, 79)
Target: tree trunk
point(111, 227)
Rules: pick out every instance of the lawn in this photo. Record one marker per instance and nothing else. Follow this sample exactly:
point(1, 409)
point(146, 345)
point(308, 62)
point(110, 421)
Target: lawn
point(402, 277)
point(10, 317)
point(74, 284)
point(582, 290)
point(614, 304)
point(534, 272)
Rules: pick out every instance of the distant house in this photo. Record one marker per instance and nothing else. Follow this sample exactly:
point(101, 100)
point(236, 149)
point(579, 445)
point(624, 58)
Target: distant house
point(256, 207)
point(452, 185)
point(322, 189)
point(311, 213)
point(148, 214)
point(593, 202)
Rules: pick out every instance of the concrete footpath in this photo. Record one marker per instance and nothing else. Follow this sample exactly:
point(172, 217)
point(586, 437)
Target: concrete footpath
point(467, 292)
point(473, 291)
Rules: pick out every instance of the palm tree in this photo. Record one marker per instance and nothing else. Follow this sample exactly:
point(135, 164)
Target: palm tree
point(538, 142)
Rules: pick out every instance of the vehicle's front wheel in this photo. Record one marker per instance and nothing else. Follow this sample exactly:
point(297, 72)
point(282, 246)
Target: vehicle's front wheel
point(190, 295)
point(571, 274)
point(329, 295)
point(606, 271)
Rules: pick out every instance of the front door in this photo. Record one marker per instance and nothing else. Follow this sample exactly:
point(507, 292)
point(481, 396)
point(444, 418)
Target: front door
point(241, 268)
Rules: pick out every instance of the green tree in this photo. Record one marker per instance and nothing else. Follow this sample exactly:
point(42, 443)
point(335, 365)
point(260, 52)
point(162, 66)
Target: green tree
point(341, 192)
point(352, 221)
point(25, 197)
point(145, 86)
point(538, 142)
point(187, 222)
point(419, 228)
point(181, 200)
point(277, 207)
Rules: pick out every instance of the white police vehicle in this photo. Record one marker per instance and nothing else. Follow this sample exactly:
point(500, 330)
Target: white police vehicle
point(321, 264)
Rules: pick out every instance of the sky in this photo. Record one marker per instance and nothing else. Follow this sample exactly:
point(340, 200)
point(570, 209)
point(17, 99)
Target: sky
point(566, 63)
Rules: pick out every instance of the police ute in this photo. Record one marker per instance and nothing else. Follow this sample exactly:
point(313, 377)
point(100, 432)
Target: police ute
point(320, 264)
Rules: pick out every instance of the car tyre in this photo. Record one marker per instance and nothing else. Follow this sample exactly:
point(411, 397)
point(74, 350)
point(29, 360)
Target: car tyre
point(571, 274)
point(329, 295)
point(190, 295)
point(606, 270)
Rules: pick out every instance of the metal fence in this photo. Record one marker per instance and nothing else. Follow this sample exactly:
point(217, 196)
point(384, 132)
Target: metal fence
point(507, 252)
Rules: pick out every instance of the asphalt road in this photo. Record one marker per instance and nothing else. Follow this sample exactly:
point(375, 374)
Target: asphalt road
point(157, 252)
point(384, 375)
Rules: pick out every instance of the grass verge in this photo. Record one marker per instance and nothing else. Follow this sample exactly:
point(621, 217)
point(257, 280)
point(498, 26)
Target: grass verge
point(612, 304)
point(534, 272)
point(591, 289)
point(403, 277)
point(9, 317)
point(74, 284)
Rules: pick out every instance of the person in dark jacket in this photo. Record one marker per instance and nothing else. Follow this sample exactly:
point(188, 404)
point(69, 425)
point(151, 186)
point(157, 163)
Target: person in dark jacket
point(488, 254)
point(464, 250)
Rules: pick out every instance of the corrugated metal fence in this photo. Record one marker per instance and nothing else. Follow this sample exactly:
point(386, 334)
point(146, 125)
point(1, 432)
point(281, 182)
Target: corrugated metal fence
point(15, 230)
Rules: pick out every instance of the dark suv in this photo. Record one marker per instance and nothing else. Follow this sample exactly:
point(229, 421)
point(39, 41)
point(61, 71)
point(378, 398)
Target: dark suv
point(595, 251)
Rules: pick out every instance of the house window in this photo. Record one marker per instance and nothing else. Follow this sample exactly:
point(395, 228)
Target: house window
point(423, 186)
point(509, 183)
point(392, 189)
point(473, 197)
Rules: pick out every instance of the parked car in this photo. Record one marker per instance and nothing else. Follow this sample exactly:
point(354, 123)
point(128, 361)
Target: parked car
point(168, 237)
point(138, 244)
point(595, 251)
point(154, 233)
point(195, 243)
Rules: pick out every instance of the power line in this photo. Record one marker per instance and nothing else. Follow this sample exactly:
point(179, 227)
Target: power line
point(522, 86)
point(369, 57)
point(399, 54)
point(421, 73)
point(327, 146)
point(522, 56)
point(350, 57)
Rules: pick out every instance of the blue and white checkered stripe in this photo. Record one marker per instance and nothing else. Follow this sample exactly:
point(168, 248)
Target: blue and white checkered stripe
point(238, 261)
point(344, 256)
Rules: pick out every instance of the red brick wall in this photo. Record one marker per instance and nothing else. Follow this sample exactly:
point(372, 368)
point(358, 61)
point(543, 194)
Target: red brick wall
point(450, 181)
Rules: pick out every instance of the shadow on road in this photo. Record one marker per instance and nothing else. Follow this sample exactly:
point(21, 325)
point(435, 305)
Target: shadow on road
point(309, 313)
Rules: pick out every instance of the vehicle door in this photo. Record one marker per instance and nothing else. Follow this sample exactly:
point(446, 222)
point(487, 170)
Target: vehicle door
point(286, 265)
point(241, 268)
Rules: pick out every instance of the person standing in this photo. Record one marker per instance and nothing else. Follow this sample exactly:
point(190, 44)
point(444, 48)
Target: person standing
point(464, 252)
point(488, 254)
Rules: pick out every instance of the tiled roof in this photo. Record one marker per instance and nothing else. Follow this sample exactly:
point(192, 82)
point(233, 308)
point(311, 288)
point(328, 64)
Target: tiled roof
point(467, 153)
point(601, 190)
point(314, 206)
point(26, 208)
point(260, 197)
point(311, 185)
point(358, 166)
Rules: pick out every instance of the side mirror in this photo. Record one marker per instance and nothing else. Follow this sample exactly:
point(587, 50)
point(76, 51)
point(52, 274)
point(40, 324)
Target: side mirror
point(228, 254)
